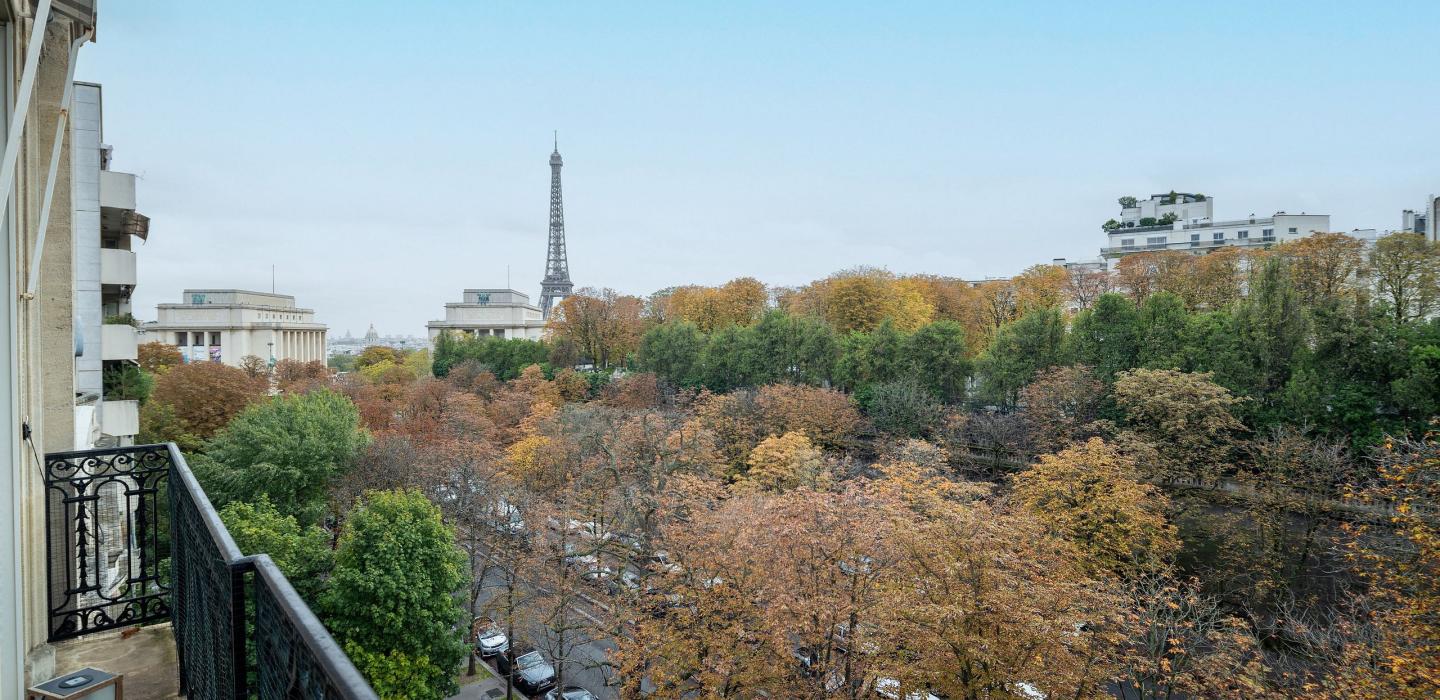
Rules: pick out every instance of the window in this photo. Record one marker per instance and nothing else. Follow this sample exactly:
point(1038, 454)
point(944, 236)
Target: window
point(1267, 234)
point(500, 332)
point(1127, 242)
point(1242, 234)
point(1155, 241)
point(1293, 230)
point(1218, 237)
point(197, 338)
point(1194, 240)
point(214, 337)
point(180, 338)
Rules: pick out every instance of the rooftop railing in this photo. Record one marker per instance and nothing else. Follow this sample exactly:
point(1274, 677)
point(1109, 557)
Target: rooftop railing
point(241, 630)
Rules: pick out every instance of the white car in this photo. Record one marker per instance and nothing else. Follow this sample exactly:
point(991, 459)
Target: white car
point(890, 688)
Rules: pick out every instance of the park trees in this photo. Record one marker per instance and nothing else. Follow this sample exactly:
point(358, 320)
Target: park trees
point(391, 600)
point(191, 402)
point(157, 358)
point(301, 551)
point(290, 449)
point(1326, 266)
point(939, 358)
point(1188, 417)
point(603, 324)
point(1406, 270)
point(1106, 337)
point(1020, 349)
point(739, 302)
point(1063, 405)
point(1090, 495)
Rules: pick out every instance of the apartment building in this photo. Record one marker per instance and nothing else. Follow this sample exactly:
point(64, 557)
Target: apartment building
point(40, 43)
point(1185, 222)
point(228, 325)
point(501, 313)
point(1425, 220)
point(107, 228)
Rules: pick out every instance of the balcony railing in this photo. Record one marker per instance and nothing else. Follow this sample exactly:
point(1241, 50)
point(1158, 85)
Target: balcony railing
point(241, 630)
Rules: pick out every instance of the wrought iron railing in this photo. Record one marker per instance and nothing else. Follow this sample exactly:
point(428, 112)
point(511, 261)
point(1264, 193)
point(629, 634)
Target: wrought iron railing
point(241, 630)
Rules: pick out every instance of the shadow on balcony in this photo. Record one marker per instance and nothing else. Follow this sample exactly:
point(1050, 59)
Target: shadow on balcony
point(144, 655)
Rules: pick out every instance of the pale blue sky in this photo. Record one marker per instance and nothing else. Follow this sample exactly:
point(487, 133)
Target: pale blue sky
point(386, 155)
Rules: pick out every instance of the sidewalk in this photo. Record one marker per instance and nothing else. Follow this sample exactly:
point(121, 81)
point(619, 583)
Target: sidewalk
point(484, 685)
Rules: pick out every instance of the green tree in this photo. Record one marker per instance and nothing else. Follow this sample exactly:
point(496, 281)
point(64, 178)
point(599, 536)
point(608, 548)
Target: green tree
point(903, 407)
point(289, 449)
point(871, 358)
point(1161, 331)
point(392, 598)
point(302, 552)
point(940, 358)
point(798, 349)
point(1269, 331)
point(672, 350)
point(730, 359)
point(1020, 349)
point(1106, 336)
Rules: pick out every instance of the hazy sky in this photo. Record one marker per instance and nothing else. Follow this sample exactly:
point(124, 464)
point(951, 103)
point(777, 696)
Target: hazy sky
point(384, 156)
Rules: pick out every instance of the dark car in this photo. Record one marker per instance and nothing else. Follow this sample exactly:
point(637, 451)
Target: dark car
point(533, 674)
point(570, 692)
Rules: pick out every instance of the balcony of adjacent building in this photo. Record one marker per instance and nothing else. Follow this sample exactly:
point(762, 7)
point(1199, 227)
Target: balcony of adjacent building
point(117, 268)
point(145, 581)
point(119, 341)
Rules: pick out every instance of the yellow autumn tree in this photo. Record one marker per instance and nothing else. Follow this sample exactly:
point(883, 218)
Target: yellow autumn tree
point(1089, 495)
point(782, 463)
point(1040, 287)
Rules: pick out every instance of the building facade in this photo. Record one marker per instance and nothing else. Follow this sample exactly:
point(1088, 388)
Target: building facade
point(501, 313)
point(40, 44)
point(106, 228)
point(227, 325)
point(1184, 222)
point(1425, 220)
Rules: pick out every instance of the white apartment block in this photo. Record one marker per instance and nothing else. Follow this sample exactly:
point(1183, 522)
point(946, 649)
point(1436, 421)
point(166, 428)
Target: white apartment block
point(106, 227)
point(502, 313)
point(227, 325)
point(1425, 220)
point(1185, 222)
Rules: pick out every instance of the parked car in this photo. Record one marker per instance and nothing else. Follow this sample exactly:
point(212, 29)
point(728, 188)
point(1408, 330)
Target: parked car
point(889, 688)
point(570, 692)
point(533, 674)
point(627, 582)
point(597, 575)
point(491, 641)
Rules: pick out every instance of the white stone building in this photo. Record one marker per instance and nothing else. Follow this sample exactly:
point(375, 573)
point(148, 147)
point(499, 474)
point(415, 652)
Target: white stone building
point(226, 325)
point(1185, 222)
point(503, 313)
point(106, 227)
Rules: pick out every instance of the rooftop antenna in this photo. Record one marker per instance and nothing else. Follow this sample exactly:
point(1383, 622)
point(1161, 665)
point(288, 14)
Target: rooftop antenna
point(557, 140)
point(272, 278)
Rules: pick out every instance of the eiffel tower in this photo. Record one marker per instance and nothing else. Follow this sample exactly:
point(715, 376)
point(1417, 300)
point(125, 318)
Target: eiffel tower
point(556, 284)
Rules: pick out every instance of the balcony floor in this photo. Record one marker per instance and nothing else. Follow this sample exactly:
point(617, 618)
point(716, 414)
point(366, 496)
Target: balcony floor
point(147, 659)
